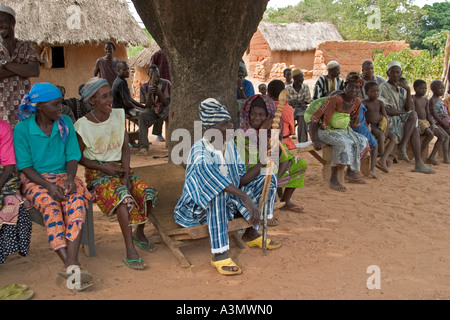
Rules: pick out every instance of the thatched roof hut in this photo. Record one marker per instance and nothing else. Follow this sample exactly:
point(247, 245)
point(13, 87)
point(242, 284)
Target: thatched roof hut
point(139, 65)
point(303, 36)
point(142, 59)
point(70, 35)
point(76, 22)
point(287, 44)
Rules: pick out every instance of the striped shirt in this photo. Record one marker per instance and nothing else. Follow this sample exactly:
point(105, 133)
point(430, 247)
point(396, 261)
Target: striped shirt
point(208, 173)
point(324, 86)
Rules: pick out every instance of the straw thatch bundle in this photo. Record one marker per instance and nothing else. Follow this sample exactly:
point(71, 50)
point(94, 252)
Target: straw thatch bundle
point(302, 36)
point(76, 22)
point(142, 59)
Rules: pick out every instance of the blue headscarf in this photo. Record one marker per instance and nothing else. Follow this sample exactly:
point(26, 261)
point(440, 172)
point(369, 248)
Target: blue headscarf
point(42, 92)
point(91, 87)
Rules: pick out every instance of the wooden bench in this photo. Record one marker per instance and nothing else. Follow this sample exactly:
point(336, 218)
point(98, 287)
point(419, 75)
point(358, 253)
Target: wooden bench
point(168, 180)
point(87, 236)
point(325, 159)
point(132, 128)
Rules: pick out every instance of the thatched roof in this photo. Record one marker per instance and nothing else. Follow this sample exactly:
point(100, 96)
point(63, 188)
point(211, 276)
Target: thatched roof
point(142, 59)
point(303, 36)
point(76, 22)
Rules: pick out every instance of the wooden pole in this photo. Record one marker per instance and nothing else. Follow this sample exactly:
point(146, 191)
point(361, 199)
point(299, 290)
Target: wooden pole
point(269, 168)
point(445, 77)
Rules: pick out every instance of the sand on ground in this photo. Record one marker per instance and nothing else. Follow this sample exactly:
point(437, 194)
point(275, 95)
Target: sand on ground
point(394, 229)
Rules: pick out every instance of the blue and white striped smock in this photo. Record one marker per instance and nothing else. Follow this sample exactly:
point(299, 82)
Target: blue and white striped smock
point(204, 201)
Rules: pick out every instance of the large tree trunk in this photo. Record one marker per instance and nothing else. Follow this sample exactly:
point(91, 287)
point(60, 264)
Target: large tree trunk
point(204, 41)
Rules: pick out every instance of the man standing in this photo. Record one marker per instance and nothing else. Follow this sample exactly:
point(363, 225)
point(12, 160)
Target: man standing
point(299, 97)
point(107, 66)
point(19, 62)
point(155, 94)
point(369, 76)
point(120, 91)
point(330, 82)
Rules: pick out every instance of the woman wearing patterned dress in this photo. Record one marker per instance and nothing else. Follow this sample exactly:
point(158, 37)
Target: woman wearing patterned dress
point(106, 155)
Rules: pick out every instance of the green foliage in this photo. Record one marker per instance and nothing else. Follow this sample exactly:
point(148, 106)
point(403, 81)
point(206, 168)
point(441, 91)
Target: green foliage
point(132, 51)
point(436, 42)
point(399, 19)
point(423, 66)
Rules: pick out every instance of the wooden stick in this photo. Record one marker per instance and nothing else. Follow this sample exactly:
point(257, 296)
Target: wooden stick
point(269, 168)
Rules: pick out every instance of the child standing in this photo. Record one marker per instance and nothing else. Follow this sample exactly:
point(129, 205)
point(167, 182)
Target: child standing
point(440, 113)
point(262, 88)
point(427, 126)
point(377, 117)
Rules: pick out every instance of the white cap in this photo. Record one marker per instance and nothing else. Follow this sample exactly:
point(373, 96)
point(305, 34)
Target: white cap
point(8, 10)
point(394, 64)
point(332, 64)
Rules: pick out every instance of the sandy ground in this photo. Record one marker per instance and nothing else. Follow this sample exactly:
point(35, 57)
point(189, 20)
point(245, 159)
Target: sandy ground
point(399, 223)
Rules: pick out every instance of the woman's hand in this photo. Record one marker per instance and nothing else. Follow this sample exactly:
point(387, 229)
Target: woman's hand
point(112, 168)
point(69, 187)
point(56, 192)
point(267, 124)
point(126, 180)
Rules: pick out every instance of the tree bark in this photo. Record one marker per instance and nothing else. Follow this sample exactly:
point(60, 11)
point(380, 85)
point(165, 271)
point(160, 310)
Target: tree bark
point(204, 41)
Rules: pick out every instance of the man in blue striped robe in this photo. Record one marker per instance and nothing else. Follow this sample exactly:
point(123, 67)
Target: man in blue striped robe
point(217, 186)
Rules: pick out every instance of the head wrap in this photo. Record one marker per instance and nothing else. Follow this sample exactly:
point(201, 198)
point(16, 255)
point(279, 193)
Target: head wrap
point(332, 64)
point(245, 111)
point(91, 87)
point(296, 72)
point(355, 77)
point(394, 64)
point(8, 10)
point(212, 112)
point(42, 92)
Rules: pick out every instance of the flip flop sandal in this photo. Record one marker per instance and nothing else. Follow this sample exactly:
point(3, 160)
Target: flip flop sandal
point(9, 289)
point(270, 245)
point(340, 188)
point(220, 264)
point(146, 246)
point(85, 276)
point(425, 170)
point(382, 167)
point(20, 295)
point(84, 286)
point(353, 180)
point(271, 222)
point(129, 264)
point(403, 156)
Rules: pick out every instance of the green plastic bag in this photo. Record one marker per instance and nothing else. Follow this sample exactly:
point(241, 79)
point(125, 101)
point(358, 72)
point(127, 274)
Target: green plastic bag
point(312, 108)
point(340, 120)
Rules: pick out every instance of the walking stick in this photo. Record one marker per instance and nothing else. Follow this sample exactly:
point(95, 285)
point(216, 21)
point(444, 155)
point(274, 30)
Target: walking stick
point(263, 201)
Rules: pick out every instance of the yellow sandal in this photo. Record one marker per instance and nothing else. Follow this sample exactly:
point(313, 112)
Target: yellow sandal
point(226, 263)
point(258, 243)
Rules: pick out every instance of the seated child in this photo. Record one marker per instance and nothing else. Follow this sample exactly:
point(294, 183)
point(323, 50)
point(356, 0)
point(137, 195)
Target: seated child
point(377, 117)
point(262, 88)
point(427, 126)
point(439, 111)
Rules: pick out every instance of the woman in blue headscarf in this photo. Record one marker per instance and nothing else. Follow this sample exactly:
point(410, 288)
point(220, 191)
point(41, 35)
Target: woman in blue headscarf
point(47, 155)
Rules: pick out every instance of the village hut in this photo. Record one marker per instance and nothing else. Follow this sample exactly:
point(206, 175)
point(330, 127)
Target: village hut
point(69, 35)
point(139, 65)
point(275, 46)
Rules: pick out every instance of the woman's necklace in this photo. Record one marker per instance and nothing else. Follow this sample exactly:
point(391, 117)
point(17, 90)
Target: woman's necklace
point(93, 114)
